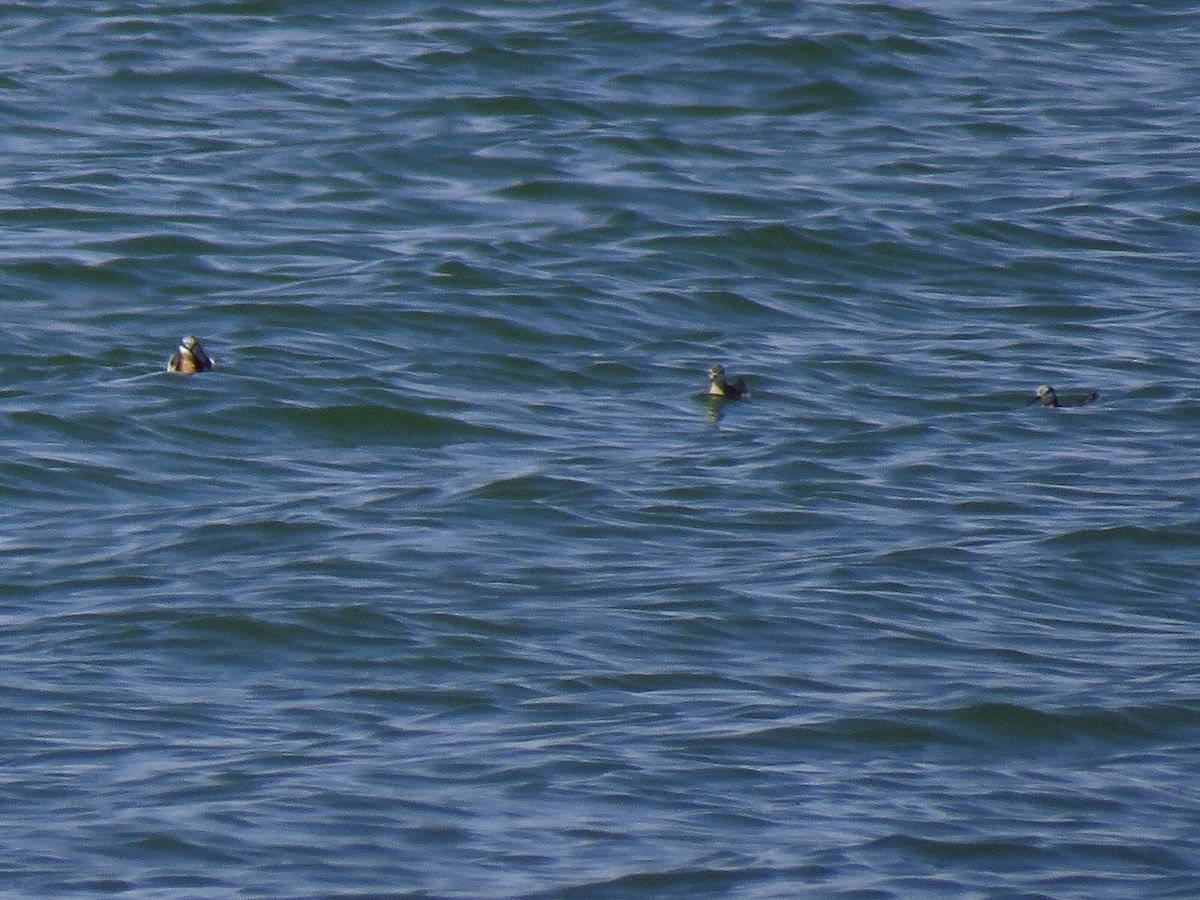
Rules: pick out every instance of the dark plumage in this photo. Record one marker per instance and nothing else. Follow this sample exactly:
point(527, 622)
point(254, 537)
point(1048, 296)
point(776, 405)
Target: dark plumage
point(189, 358)
point(721, 386)
point(1047, 396)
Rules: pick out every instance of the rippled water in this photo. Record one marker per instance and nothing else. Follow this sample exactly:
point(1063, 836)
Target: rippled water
point(450, 582)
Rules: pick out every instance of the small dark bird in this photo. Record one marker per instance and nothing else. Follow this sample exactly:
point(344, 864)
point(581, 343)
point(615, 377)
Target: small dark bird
point(723, 387)
point(189, 358)
point(1046, 396)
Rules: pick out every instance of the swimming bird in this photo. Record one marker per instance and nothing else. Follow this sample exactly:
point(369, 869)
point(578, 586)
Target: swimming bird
point(189, 358)
point(724, 387)
point(1047, 396)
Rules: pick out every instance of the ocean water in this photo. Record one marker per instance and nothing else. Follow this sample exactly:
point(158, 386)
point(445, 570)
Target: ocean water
point(449, 582)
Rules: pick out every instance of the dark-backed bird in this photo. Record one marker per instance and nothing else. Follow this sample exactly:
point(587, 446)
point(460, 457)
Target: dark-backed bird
point(721, 386)
point(189, 358)
point(1047, 396)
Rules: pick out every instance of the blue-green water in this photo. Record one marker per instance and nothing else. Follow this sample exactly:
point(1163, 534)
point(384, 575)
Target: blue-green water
point(449, 582)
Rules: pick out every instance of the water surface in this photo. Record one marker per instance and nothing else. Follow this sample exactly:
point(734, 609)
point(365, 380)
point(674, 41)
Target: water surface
point(450, 582)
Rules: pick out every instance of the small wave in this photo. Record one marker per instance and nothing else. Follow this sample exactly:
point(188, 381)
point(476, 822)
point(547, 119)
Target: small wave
point(982, 852)
point(1000, 728)
point(826, 95)
point(199, 78)
point(161, 244)
point(533, 486)
point(687, 883)
point(58, 270)
point(1105, 540)
point(362, 423)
